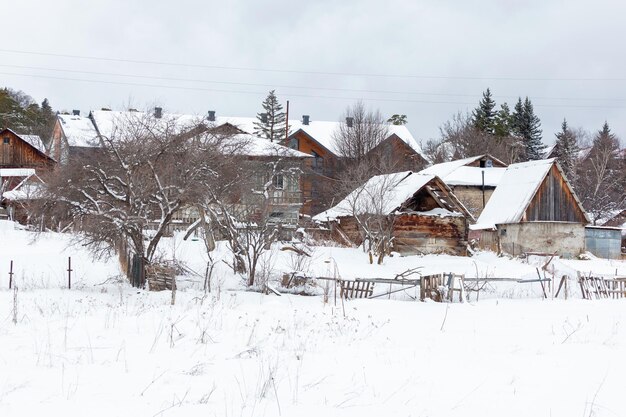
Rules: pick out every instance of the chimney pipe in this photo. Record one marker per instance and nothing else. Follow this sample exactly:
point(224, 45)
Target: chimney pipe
point(211, 116)
point(305, 119)
point(349, 121)
point(158, 112)
point(76, 112)
point(264, 118)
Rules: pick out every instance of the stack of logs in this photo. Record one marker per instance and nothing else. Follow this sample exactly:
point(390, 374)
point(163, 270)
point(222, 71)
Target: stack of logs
point(160, 277)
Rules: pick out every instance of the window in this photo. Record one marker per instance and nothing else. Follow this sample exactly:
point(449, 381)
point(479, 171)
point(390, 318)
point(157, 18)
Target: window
point(293, 143)
point(7, 140)
point(317, 160)
point(277, 181)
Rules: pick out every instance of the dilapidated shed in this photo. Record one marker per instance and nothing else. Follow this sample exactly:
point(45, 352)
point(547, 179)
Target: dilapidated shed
point(473, 180)
point(533, 209)
point(420, 213)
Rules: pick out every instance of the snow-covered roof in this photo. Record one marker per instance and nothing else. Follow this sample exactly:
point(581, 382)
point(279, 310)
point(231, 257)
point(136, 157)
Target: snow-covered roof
point(255, 146)
point(16, 172)
point(34, 141)
point(321, 131)
point(458, 173)
point(518, 186)
point(380, 194)
point(324, 133)
point(79, 130)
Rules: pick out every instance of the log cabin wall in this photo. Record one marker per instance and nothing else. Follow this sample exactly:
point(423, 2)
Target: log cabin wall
point(17, 153)
point(416, 234)
point(554, 201)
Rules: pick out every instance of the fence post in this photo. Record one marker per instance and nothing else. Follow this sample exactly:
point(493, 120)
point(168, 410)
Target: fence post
point(11, 275)
point(69, 272)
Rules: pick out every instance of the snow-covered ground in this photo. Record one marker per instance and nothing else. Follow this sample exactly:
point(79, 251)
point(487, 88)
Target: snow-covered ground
point(106, 349)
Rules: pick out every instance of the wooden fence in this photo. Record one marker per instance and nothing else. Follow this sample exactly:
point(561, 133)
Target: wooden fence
point(598, 287)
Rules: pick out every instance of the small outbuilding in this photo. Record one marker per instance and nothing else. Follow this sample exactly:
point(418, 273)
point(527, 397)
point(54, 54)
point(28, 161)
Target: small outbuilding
point(533, 209)
point(473, 180)
point(419, 212)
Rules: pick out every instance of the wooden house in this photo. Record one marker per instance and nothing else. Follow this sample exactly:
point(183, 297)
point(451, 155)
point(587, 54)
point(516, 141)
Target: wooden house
point(533, 209)
point(73, 136)
point(23, 151)
point(423, 214)
point(317, 138)
point(473, 180)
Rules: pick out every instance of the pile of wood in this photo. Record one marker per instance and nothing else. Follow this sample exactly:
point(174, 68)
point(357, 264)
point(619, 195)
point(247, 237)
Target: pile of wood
point(160, 277)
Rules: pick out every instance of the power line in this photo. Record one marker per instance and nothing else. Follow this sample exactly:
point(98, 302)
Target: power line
point(293, 86)
point(262, 93)
point(293, 71)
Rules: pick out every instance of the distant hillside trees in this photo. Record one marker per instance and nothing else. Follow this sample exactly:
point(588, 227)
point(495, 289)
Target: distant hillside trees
point(21, 113)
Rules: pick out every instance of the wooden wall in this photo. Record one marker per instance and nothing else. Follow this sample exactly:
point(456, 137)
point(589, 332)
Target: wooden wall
point(317, 181)
point(554, 201)
point(16, 153)
point(394, 154)
point(416, 234)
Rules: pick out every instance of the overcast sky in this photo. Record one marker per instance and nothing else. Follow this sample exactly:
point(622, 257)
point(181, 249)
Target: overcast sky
point(425, 59)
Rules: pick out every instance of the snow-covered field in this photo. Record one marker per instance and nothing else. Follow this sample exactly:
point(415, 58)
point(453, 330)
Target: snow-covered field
point(105, 349)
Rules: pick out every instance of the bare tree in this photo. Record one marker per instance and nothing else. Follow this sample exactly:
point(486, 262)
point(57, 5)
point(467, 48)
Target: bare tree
point(600, 183)
point(147, 169)
point(360, 131)
point(463, 140)
point(368, 203)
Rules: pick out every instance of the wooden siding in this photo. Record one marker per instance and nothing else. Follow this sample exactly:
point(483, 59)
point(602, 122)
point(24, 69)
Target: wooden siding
point(394, 154)
point(17, 153)
point(554, 201)
point(317, 184)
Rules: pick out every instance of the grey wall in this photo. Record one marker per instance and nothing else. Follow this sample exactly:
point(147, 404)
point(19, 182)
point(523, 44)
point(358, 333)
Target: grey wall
point(567, 239)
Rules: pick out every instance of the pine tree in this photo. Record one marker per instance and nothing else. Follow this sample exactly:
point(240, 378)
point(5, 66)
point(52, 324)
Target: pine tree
point(503, 121)
point(271, 122)
point(484, 116)
point(397, 119)
point(527, 126)
point(566, 150)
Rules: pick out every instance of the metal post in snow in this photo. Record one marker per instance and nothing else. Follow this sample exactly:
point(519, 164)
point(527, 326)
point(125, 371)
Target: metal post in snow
point(11, 275)
point(69, 273)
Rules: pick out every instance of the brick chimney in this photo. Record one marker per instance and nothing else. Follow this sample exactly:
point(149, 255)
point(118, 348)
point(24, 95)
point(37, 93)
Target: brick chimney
point(349, 121)
point(76, 112)
point(305, 119)
point(264, 118)
point(211, 116)
point(158, 112)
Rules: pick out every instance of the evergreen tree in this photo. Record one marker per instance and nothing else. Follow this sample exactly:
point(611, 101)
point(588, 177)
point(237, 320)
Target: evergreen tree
point(271, 122)
point(527, 126)
point(484, 116)
point(503, 121)
point(566, 150)
point(397, 119)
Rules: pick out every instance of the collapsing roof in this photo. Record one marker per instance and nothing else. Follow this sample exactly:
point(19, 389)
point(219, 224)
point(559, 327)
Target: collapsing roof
point(517, 189)
point(391, 193)
point(461, 172)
